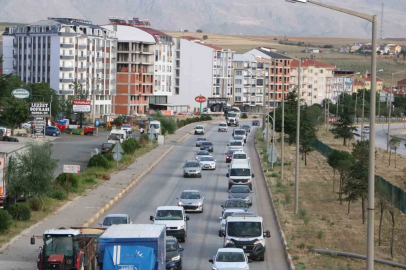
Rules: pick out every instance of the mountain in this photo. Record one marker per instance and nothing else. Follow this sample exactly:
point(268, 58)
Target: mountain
point(253, 17)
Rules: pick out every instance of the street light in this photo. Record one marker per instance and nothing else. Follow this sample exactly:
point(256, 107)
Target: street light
point(371, 170)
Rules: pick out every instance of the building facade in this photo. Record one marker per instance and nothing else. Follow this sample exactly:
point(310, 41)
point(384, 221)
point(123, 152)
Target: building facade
point(402, 84)
point(61, 52)
point(200, 68)
point(316, 80)
point(342, 82)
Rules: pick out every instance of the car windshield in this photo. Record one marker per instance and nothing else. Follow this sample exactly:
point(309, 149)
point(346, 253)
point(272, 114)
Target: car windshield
point(234, 143)
point(247, 127)
point(169, 215)
point(108, 221)
point(190, 195)
point(201, 139)
point(171, 246)
point(207, 143)
point(206, 159)
point(240, 172)
point(155, 126)
point(107, 144)
point(199, 127)
point(203, 153)
point(116, 136)
point(232, 115)
point(192, 165)
point(244, 229)
point(230, 257)
point(236, 189)
point(240, 156)
point(58, 245)
point(223, 125)
point(239, 132)
point(238, 137)
point(236, 204)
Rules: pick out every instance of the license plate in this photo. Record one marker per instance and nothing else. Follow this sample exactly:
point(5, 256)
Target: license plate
point(244, 247)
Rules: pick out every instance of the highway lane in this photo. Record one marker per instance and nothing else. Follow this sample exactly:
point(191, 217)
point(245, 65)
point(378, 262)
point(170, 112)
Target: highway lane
point(165, 183)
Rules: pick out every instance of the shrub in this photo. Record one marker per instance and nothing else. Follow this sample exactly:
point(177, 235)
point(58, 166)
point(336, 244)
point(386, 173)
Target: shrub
point(301, 245)
point(58, 195)
point(13, 211)
point(287, 199)
point(279, 184)
point(244, 116)
point(205, 37)
point(5, 220)
point(320, 234)
point(164, 131)
point(130, 145)
point(98, 161)
point(300, 266)
point(302, 213)
point(89, 180)
point(144, 139)
point(73, 181)
point(19, 211)
point(34, 204)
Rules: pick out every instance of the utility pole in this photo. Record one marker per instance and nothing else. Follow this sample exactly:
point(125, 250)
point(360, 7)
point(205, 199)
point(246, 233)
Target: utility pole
point(355, 107)
point(283, 118)
point(297, 142)
point(274, 102)
point(264, 109)
point(363, 111)
point(93, 101)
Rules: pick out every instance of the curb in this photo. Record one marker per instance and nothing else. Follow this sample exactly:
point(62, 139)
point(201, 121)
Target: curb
point(282, 234)
point(136, 180)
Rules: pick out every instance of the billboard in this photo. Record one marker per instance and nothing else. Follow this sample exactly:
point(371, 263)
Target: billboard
point(82, 106)
point(40, 108)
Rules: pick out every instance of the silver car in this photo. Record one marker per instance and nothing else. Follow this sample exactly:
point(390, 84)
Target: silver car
point(115, 219)
point(192, 169)
point(207, 163)
point(191, 201)
point(201, 153)
point(199, 141)
point(241, 192)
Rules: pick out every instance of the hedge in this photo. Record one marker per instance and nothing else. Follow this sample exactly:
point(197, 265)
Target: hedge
point(73, 180)
point(19, 211)
point(130, 145)
point(98, 161)
point(5, 220)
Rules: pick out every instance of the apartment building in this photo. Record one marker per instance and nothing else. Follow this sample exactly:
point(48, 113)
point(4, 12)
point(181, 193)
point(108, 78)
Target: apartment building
point(144, 66)
point(200, 69)
point(61, 51)
point(279, 70)
point(402, 84)
point(316, 80)
point(342, 82)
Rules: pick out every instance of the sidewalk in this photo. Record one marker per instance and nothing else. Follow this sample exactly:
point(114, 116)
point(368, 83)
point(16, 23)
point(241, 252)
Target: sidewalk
point(20, 255)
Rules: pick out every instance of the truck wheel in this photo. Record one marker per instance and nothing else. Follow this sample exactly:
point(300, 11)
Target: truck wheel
point(262, 258)
point(183, 239)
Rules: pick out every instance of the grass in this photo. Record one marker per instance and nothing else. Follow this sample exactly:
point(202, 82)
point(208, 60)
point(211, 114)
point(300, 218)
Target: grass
point(322, 223)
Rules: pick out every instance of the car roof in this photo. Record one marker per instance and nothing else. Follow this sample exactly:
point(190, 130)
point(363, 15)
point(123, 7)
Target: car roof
point(191, 161)
point(240, 152)
point(169, 208)
point(191, 190)
point(239, 250)
point(117, 215)
point(235, 199)
point(241, 165)
point(207, 156)
point(200, 151)
point(244, 214)
point(234, 210)
point(201, 138)
point(249, 218)
point(238, 186)
point(234, 141)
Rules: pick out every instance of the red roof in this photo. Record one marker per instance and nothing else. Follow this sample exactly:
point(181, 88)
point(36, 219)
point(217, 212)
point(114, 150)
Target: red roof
point(369, 79)
point(402, 81)
point(152, 32)
point(358, 82)
point(395, 91)
point(311, 63)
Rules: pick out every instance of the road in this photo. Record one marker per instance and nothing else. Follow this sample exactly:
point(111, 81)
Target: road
point(165, 183)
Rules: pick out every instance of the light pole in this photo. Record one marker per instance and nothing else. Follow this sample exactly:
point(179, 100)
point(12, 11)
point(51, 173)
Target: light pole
point(363, 110)
point(371, 170)
point(273, 138)
point(283, 119)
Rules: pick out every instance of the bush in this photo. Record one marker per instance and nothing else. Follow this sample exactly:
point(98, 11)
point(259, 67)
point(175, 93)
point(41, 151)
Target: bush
point(5, 220)
point(205, 37)
point(19, 211)
point(164, 131)
point(13, 211)
point(244, 116)
point(58, 195)
point(320, 234)
point(34, 204)
point(73, 181)
point(130, 145)
point(98, 161)
point(302, 213)
point(144, 139)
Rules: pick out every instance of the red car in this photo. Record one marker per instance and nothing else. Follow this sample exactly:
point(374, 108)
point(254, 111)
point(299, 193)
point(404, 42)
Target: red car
point(229, 156)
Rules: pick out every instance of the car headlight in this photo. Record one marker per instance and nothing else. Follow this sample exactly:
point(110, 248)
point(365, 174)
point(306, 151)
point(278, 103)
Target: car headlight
point(199, 203)
point(181, 227)
point(176, 258)
point(260, 241)
point(228, 241)
point(180, 203)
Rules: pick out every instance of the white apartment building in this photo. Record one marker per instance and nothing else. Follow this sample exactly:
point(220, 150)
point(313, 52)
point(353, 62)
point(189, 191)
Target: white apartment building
point(342, 82)
point(61, 51)
point(200, 69)
point(316, 80)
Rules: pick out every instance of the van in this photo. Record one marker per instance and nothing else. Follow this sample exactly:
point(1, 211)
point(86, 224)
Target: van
point(240, 132)
point(175, 220)
point(117, 135)
point(235, 145)
point(156, 125)
point(240, 174)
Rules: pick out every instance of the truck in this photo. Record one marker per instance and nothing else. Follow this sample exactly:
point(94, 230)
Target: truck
point(69, 249)
point(117, 135)
point(150, 238)
point(8, 150)
point(208, 111)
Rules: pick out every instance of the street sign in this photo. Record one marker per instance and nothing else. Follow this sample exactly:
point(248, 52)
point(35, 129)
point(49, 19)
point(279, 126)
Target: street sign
point(71, 168)
point(200, 99)
point(272, 152)
point(40, 108)
point(83, 106)
point(117, 156)
point(97, 123)
point(20, 93)
point(272, 159)
point(117, 149)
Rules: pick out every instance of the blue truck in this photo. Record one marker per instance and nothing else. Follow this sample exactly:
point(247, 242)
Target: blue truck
point(133, 246)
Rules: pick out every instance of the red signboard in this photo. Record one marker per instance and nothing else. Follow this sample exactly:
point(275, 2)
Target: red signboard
point(200, 99)
point(82, 102)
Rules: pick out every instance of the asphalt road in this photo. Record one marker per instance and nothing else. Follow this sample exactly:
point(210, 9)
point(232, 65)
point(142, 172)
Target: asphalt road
point(165, 183)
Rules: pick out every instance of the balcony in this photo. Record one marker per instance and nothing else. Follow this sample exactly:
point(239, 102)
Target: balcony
point(99, 59)
point(99, 70)
point(82, 58)
point(66, 92)
point(67, 57)
point(113, 60)
point(82, 46)
point(113, 49)
point(247, 75)
point(67, 45)
point(82, 80)
point(63, 80)
point(112, 81)
point(252, 93)
point(66, 68)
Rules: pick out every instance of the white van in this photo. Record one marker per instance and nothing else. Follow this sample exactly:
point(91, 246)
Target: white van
point(174, 218)
point(117, 135)
point(240, 174)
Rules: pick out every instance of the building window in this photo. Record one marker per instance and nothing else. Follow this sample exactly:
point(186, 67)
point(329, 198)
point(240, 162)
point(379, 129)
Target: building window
point(238, 90)
point(237, 98)
point(238, 73)
point(239, 64)
point(321, 71)
point(260, 82)
point(238, 81)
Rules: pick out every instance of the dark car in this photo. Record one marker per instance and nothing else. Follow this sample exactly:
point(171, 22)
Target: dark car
point(229, 156)
point(241, 192)
point(173, 254)
point(256, 123)
point(106, 148)
point(52, 131)
point(207, 146)
point(235, 203)
point(246, 127)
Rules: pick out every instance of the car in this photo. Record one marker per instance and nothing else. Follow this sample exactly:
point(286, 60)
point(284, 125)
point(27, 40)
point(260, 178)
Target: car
point(199, 130)
point(127, 128)
point(207, 146)
point(192, 168)
point(223, 127)
point(113, 219)
point(246, 127)
point(52, 131)
point(240, 157)
point(235, 203)
point(27, 125)
point(201, 153)
point(5, 131)
point(235, 145)
point(106, 147)
point(366, 129)
point(226, 214)
point(243, 214)
point(175, 220)
point(240, 132)
point(239, 138)
point(230, 258)
point(232, 122)
point(255, 123)
point(229, 155)
point(200, 140)
point(241, 192)
point(191, 201)
point(207, 163)
point(173, 254)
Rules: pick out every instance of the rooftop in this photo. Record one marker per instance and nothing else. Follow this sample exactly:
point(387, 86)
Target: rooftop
point(311, 63)
point(369, 79)
point(190, 38)
point(273, 55)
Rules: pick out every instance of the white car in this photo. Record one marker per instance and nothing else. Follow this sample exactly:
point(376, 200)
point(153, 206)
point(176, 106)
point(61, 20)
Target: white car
point(27, 125)
point(175, 220)
point(227, 213)
point(127, 128)
point(199, 141)
point(230, 258)
point(223, 127)
point(199, 130)
point(207, 163)
point(235, 145)
point(239, 138)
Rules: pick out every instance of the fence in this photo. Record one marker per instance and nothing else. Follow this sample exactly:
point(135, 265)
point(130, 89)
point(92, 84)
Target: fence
point(387, 189)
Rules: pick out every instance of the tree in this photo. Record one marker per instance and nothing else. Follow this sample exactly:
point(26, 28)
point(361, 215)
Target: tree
point(394, 144)
point(290, 117)
point(344, 165)
point(382, 193)
point(307, 133)
point(42, 92)
point(36, 169)
point(343, 127)
point(15, 186)
point(8, 83)
point(15, 111)
point(205, 37)
point(78, 91)
point(332, 160)
point(199, 31)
